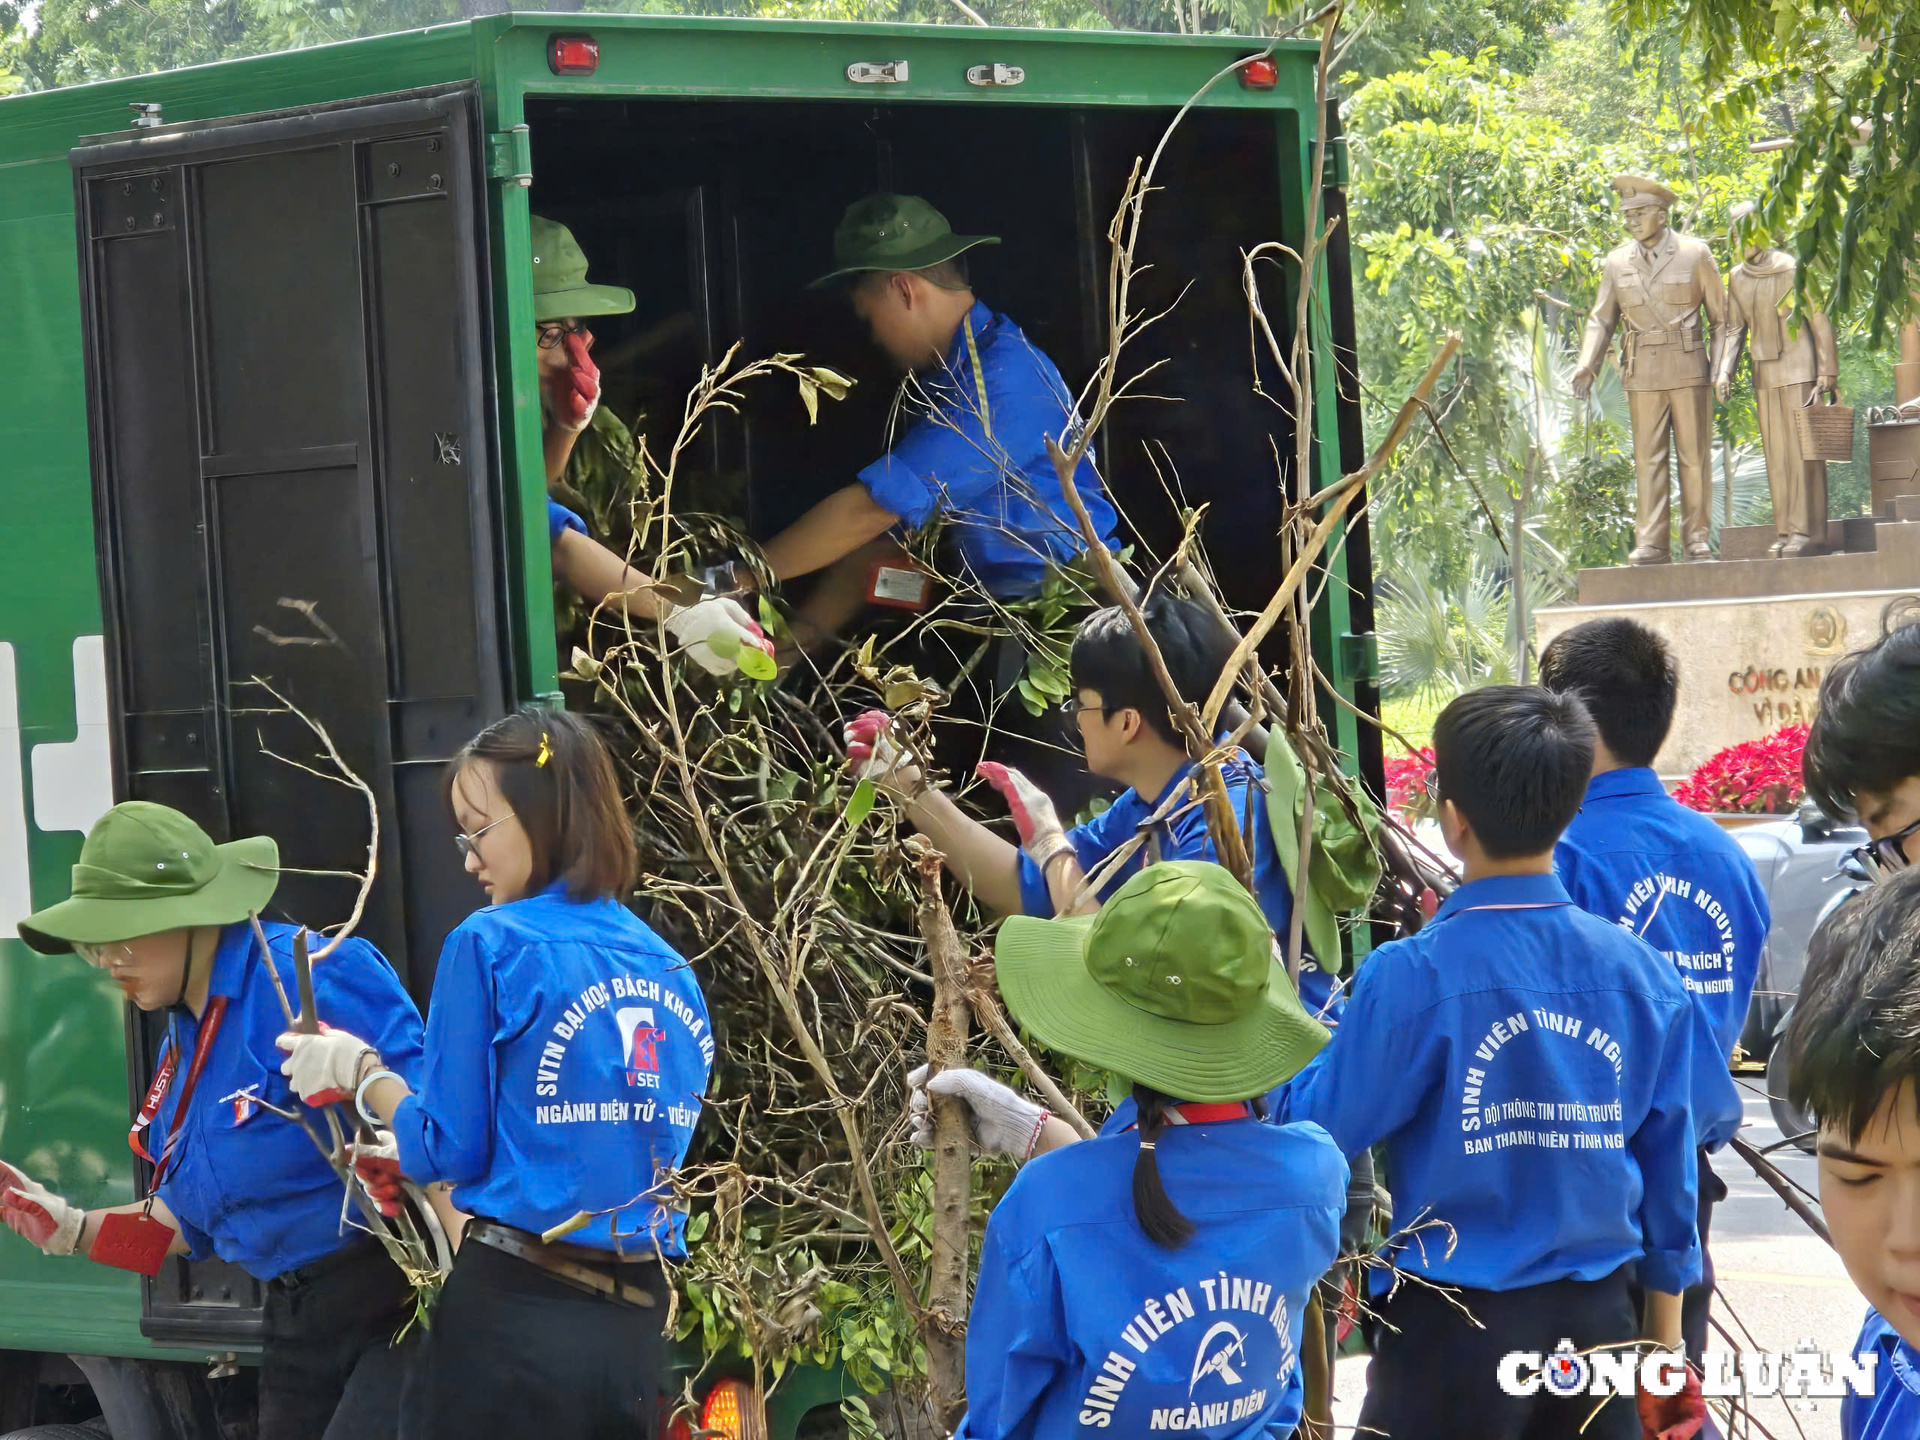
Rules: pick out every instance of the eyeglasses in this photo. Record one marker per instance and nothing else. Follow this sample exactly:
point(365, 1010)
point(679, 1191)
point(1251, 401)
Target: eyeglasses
point(552, 332)
point(469, 844)
point(1071, 707)
point(1885, 856)
point(103, 957)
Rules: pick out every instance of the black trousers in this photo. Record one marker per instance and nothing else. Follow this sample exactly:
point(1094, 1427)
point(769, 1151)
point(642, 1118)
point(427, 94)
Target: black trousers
point(329, 1367)
point(1694, 1303)
point(516, 1354)
point(1434, 1375)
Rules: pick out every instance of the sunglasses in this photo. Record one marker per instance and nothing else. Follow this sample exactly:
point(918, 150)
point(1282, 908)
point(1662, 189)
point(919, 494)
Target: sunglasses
point(1885, 856)
point(470, 844)
point(552, 332)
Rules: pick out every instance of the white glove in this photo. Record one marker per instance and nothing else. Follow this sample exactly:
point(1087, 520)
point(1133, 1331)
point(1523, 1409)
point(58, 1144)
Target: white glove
point(38, 1215)
point(1038, 823)
point(715, 632)
point(376, 1163)
point(1002, 1122)
point(872, 755)
point(324, 1068)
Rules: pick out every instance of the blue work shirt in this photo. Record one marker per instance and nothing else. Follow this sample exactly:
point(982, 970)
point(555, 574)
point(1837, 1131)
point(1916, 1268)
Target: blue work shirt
point(1183, 835)
point(560, 520)
point(1892, 1412)
point(1637, 857)
point(1082, 1323)
point(567, 1053)
point(1530, 1069)
point(248, 1185)
point(986, 466)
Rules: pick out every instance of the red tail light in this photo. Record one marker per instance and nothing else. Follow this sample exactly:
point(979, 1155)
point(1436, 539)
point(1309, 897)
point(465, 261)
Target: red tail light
point(573, 54)
point(1260, 74)
point(729, 1411)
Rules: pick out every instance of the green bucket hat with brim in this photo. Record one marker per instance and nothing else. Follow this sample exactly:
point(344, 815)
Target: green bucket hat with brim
point(560, 288)
point(894, 232)
point(146, 868)
point(1173, 984)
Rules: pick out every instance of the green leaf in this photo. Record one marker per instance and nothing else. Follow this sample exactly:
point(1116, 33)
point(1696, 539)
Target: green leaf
point(861, 803)
point(756, 664)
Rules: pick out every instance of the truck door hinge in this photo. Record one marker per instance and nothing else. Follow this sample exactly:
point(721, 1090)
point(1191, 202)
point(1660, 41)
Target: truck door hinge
point(1360, 658)
point(995, 74)
point(510, 156)
point(883, 72)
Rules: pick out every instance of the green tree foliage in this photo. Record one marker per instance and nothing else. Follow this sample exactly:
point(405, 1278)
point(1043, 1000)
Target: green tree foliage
point(1843, 79)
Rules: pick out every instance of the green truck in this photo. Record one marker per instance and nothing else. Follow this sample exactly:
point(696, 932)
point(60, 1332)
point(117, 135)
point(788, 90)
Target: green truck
point(256, 349)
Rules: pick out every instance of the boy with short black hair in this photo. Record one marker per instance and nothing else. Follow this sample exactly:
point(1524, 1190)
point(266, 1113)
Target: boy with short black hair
point(1854, 1047)
point(1863, 753)
point(1530, 1069)
point(1637, 857)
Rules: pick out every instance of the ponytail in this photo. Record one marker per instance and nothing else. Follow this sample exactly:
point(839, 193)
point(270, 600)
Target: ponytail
point(1152, 1206)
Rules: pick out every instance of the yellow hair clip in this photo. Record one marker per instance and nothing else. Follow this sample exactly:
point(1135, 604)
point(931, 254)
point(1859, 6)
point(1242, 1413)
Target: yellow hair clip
point(546, 752)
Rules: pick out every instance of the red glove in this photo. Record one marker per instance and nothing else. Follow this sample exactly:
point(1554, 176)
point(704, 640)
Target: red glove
point(377, 1163)
point(575, 394)
point(1034, 817)
point(37, 1215)
point(1672, 1417)
point(873, 754)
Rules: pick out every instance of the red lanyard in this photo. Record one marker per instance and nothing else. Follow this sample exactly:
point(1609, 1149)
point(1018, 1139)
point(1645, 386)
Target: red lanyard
point(163, 1080)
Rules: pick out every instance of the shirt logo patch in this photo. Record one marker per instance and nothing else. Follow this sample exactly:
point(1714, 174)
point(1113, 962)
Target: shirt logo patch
point(639, 1045)
point(246, 1104)
point(1218, 1350)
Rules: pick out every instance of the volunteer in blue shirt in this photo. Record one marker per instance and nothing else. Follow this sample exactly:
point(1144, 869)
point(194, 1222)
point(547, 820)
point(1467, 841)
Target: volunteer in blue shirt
point(1636, 856)
point(1531, 1070)
point(712, 630)
point(1855, 1069)
point(1155, 1279)
point(567, 1053)
point(1120, 714)
point(166, 913)
point(985, 402)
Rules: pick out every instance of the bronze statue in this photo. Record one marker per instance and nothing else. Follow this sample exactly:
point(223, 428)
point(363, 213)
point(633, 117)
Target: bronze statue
point(1789, 365)
point(1659, 283)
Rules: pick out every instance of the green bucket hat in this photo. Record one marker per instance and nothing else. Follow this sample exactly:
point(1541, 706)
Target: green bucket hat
point(894, 232)
point(1172, 984)
point(147, 868)
point(560, 288)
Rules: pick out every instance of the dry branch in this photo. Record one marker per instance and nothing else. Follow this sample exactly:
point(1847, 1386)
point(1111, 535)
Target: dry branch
point(952, 1152)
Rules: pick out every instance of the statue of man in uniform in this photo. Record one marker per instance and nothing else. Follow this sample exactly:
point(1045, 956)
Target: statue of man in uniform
point(1787, 368)
point(1659, 283)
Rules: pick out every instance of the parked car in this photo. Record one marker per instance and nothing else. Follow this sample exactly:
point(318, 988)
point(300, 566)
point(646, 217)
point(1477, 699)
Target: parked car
point(1805, 867)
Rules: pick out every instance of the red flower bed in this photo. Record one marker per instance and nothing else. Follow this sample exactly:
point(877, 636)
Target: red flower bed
point(1756, 777)
point(1407, 784)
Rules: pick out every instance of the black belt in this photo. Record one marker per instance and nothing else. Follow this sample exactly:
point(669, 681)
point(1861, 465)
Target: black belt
point(584, 1268)
point(326, 1265)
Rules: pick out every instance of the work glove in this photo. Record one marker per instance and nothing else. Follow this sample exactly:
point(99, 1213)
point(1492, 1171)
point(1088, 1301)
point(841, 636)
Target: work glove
point(376, 1163)
point(1672, 1417)
point(1358, 1217)
point(873, 755)
point(573, 394)
point(324, 1069)
point(1002, 1122)
point(1041, 834)
point(714, 633)
point(37, 1214)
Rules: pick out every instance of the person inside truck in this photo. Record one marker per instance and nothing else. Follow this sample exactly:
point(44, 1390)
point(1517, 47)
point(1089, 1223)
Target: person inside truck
point(984, 402)
point(169, 916)
point(1195, 1205)
point(567, 1055)
point(589, 450)
point(1862, 758)
point(1637, 857)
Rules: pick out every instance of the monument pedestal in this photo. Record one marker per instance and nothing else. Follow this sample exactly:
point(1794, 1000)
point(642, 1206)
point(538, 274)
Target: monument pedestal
point(1754, 637)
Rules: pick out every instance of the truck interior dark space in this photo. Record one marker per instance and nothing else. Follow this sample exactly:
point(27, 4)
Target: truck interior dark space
point(717, 215)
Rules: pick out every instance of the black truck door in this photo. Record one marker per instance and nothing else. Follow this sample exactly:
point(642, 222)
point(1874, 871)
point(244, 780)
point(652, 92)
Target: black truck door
point(290, 413)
